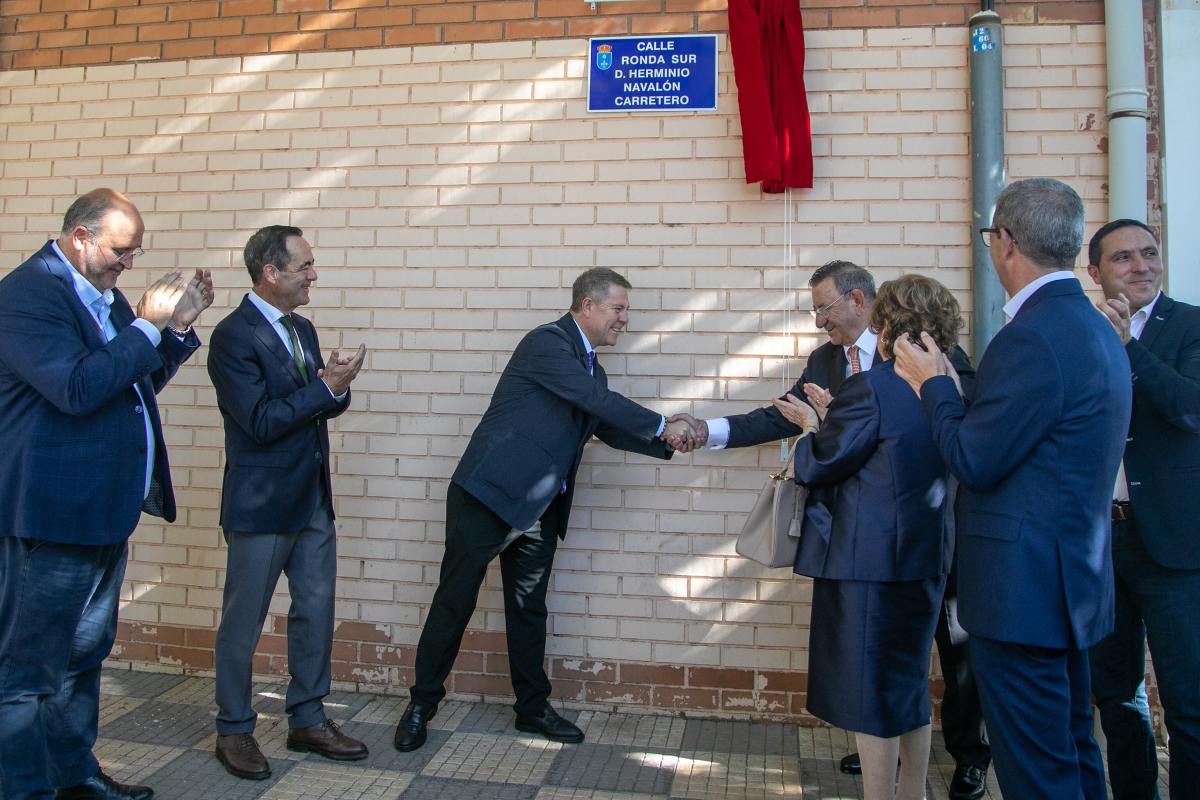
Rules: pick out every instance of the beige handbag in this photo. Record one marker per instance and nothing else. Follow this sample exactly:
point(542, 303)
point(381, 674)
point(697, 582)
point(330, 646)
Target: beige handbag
point(771, 534)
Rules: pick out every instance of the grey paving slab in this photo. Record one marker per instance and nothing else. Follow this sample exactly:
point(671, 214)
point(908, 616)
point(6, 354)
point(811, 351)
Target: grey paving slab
point(270, 731)
point(494, 758)
point(614, 768)
point(427, 788)
point(172, 724)
point(133, 762)
point(339, 706)
point(114, 706)
point(563, 793)
point(716, 776)
point(640, 730)
point(736, 736)
point(383, 755)
point(329, 780)
point(197, 775)
point(146, 685)
point(821, 778)
point(387, 710)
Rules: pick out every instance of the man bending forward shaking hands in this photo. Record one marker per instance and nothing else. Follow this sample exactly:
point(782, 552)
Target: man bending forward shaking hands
point(276, 396)
point(511, 496)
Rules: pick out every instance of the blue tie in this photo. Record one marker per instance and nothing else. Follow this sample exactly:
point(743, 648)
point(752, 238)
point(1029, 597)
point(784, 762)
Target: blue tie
point(591, 359)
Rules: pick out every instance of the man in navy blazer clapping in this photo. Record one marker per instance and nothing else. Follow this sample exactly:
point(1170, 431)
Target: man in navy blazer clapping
point(1156, 552)
point(1036, 455)
point(83, 457)
point(276, 395)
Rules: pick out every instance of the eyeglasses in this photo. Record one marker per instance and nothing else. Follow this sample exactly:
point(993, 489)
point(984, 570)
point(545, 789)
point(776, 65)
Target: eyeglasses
point(986, 235)
point(123, 254)
point(824, 310)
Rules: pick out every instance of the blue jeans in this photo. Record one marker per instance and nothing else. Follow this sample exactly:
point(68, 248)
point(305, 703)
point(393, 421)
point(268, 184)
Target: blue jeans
point(58, 620)
point(1161, 605)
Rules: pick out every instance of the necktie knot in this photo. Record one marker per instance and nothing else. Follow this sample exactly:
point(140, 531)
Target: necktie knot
point(297, 353)
point(855, 364)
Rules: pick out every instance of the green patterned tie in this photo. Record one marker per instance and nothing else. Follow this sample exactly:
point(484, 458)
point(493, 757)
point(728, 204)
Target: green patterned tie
point(297, 354)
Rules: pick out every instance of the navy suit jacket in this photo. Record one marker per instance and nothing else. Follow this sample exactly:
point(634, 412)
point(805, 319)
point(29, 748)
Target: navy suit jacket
point(276, 434)
point(73, 462)
point(826, 367)
point(1036, 455)
point(544, 410)
point(877, 486)
point(1162, 454)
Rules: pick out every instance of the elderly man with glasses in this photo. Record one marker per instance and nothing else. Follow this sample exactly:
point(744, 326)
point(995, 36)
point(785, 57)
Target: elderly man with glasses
point(83, 456)
point(843, 295)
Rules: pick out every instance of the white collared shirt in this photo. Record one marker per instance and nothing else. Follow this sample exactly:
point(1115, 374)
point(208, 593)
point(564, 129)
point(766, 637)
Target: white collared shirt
point(88, 295)
point(273, 315)
point(587, 348)
point(1137, 324)
point(1013, 306)
point(866, 343)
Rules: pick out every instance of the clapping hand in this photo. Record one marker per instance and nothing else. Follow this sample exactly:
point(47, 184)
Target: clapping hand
point(1117, 311)
point(339, 372)
point(197, 296)
point(685, 433)
point(798, 413)
point(818, 397)
point(161, 298)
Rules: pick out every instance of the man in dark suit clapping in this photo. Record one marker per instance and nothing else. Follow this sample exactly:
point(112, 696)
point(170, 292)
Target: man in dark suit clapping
point(511, 497)
point(1156, 552)
point(83, 457)
point(276, 395)
point(1036, 455)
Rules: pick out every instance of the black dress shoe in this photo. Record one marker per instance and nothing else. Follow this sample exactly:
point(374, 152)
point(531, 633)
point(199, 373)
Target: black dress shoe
point(102, 787)
point(552, 726)
point(969, 783)
point(851, 765)
point(410, 733)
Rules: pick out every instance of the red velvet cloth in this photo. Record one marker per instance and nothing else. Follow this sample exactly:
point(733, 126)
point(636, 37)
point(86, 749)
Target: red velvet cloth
point(766, 38)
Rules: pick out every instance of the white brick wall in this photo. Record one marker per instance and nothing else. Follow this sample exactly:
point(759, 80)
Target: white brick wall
point(452, 193)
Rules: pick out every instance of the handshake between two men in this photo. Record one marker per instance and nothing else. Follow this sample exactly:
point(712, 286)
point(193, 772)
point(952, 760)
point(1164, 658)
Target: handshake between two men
point(685, 433)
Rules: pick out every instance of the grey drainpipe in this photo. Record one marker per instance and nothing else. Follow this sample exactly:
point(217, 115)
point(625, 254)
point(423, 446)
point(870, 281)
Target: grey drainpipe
point(987, 170)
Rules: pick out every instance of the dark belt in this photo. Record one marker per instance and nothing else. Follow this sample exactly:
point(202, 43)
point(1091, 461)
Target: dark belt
point(1122, 511)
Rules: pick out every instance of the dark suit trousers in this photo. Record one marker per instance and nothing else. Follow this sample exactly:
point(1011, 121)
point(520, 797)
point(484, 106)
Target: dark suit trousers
point(475, 536)
point(58, 620)
point(962, 713)
point(1162, 605)
point(1037, 704)
point(255, 561)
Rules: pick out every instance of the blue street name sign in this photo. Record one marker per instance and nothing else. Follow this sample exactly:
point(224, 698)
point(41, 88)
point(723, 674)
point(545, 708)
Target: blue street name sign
point(653, 73)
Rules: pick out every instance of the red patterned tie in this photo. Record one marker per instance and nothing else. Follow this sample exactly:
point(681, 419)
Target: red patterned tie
point(855, 367)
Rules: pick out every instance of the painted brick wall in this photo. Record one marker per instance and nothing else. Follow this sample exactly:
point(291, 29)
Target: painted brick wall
point(48, 33)
point(452, 193)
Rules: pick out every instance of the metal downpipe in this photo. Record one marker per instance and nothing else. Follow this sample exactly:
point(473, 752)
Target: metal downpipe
point(987, 171)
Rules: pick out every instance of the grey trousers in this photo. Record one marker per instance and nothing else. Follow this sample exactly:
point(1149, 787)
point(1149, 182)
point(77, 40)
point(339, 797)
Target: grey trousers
point(308, 558)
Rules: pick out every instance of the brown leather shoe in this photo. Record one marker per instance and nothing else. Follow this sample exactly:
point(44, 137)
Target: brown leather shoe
point(241, 757)
point(326, 740)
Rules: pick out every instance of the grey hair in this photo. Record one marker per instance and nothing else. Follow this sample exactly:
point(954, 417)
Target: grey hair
point(89, 210)
point(847, 276)
point(1045, 218)
point(594, 283)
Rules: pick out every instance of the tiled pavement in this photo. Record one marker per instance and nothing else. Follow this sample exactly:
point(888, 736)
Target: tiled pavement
point(157, 729)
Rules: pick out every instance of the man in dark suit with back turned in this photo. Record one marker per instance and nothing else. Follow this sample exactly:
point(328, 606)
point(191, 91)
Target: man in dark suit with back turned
point(276, 396)
point(83, 456)
point(843, 295)
point(1156, 550)
point(511, 496)
point(1036, 454)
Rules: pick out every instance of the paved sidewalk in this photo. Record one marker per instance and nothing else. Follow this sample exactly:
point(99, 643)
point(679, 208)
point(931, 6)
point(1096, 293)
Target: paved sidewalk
point(157, 729)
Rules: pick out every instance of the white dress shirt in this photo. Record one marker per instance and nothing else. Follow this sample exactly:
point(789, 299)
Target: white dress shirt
point(1137, 324)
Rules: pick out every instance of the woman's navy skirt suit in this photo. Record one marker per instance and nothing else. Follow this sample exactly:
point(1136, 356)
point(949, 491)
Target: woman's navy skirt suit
point(875, 544)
